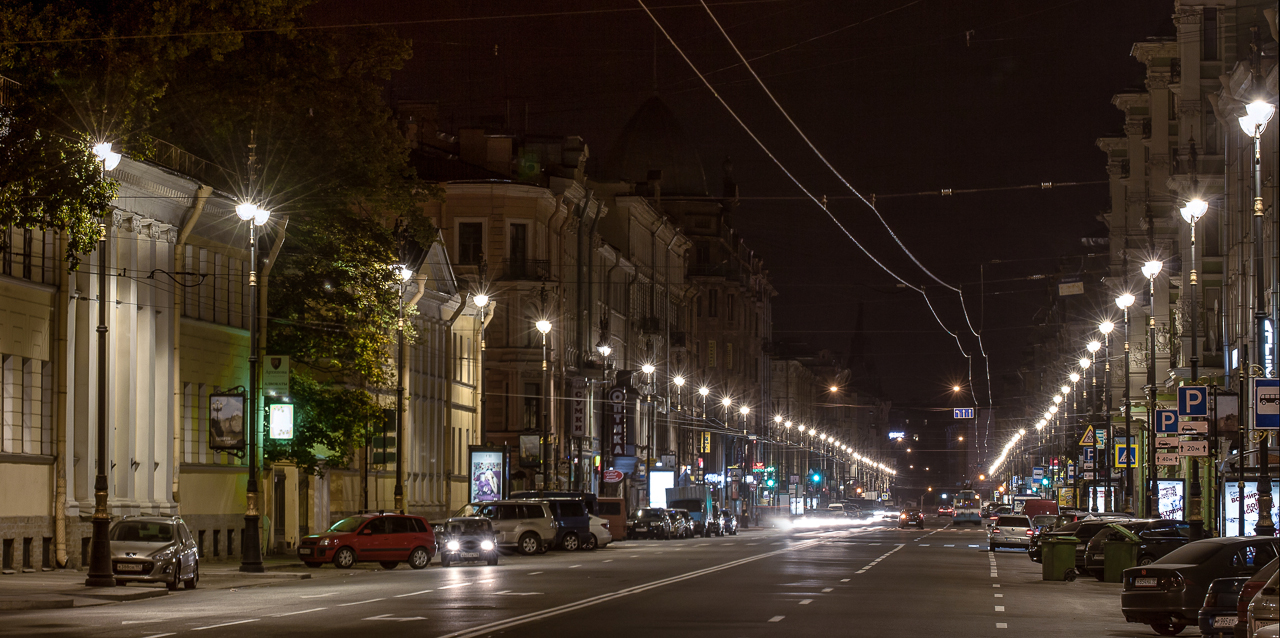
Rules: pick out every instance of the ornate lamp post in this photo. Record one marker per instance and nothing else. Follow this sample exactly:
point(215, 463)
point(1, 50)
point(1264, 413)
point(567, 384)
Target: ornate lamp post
point(544, 327)
point(406, 274)
point(1123, 302)
point(1150, 270)
point(251, 559)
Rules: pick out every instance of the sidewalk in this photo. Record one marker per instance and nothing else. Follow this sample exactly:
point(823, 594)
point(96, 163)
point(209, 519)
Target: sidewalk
point(64, 588)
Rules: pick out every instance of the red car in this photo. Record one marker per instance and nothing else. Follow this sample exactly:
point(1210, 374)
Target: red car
point(946, 510)
point(388, 539)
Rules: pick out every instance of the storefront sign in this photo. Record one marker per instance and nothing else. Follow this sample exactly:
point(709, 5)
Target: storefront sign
point(616, 418)
point(612, 476)
point(275, 376)
point(578, 408)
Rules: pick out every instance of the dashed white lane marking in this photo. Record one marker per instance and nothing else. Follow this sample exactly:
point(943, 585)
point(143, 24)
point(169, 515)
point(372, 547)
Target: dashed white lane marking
point(995, 584)
point(806, 601)
point(1001, 625)
point(774, 619)
point(390, 617)
point(948, 545)
point(844, 580)
point(776, 543)
point(874, 544)
point(975, 546)
point(728, 544)
point(372, 600)
point(455, 585)
point(414, 593)
point(487, 580)
point(609, 561)
point(573, 566)
point(227, 624)
point(750, 544)
point(159, 635)
point(534, 573)
point(294, 613)
point(864, 569)
point(828, 590)
point(924, 544)
point(999, 595)
point(702, 544)
point(332, 593)
point(999, 607)
point(635, 556)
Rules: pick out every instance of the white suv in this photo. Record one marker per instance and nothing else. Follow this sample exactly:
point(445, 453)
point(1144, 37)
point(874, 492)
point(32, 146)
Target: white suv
point(527, 526)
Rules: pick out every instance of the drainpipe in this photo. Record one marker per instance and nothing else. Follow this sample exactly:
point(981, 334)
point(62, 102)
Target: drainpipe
point(202, 197)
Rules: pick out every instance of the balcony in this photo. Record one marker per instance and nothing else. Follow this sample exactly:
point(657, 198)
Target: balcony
point(649, 325)
point(526, 269)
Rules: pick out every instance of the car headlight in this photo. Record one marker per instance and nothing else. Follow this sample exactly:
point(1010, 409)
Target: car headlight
point(486, 545)
point(453, 545)
point(162, 556)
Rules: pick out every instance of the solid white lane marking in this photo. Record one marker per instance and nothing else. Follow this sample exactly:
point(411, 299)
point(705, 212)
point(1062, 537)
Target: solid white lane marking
point(371, 600)
point(774, 619)
point(227, 624)
point(415, 593)
point(534, 573)
point(388, 617)
point(828, 590)
point(455, 585)
point(294, 613)
point(139, 622)
point(844, 580)
point(806, 601)
point(999, 607)
point(332, 593)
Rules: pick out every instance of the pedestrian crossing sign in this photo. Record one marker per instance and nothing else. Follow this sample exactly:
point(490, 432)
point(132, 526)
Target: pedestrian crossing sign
point(1088, 439)
point(1126, 455)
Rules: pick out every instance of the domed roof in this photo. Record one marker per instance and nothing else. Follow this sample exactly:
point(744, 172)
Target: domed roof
point(653, 140)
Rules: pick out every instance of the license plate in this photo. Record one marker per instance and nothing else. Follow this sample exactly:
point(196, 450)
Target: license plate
point(471, 554)
point(304, 551)
point(641, 528)
point(128, 567)
point(1225, 621)
point(1144, 582)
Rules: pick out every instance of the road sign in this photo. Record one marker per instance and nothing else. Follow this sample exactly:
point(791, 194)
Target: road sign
point(612, 476)
point(1088, 454)
point(1193, 448)
point(1193, 427)
point(1266, 404)
point(1037, 473)
point(1071, 471)
point(1193, 400)
point(1167, 441)
point(1088, 465)
point(1125, 455)
point(1101, 438)
point(1167, 458)
point(1087, 441)
point(963, 413)
point(1087, 476)
point(1166, 421)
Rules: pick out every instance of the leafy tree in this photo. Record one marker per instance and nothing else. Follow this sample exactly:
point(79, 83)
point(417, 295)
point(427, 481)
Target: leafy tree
point(327, 419)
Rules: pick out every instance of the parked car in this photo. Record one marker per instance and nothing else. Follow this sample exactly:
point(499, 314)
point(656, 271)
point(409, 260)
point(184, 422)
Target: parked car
point(649, 522)
point(1157, 538)
point(1169, 593)
point(526, 526)
point(1250, 589)
point(573, 523)
point(614, 511)
point(728, 523)
point(1044, 521)
point(1082, 531)
point(154, 549)
point(1009, 530)
point(1264, 610)
point(1218, 614)
point(911, 517)
point(946, 510)
point(686, 522)
point(387, 539)
point(601, 534)
point(469, 538)
point(712, 525)
point(997, 512)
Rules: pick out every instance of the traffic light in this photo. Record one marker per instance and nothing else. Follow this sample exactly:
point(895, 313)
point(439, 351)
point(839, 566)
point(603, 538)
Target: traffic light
point(1045, 481)
point(817, 477)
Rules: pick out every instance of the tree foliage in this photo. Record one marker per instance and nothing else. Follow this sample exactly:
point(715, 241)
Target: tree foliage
point(328, 419)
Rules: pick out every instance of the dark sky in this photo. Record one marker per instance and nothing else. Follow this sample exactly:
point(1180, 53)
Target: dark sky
point(900, 95)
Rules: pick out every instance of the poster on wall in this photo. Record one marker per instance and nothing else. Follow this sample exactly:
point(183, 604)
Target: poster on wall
point(1231, 507)
point(486, 473)
point(226, 422)
point(1170, 498)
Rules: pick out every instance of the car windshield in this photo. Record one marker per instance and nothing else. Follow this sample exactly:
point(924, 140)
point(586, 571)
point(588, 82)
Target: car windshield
point(469, 527)
point(646, 513)
point(1045, 519)
point(349, 524)
point(142, 532)
point(1192, 554)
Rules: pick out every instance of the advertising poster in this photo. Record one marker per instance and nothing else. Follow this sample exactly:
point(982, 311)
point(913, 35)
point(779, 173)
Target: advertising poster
point(1099, 498)
point(659, 481)
point(1231, 507)
point(486, 469)
point(226, 422)
point(1170, 498)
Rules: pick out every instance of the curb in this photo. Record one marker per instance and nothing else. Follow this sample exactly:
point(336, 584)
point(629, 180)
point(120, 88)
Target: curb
point(41, 602)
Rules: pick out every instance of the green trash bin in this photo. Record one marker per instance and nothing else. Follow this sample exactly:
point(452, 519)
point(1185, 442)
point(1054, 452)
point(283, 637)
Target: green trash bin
point(1118, 555)
point(1058, 558)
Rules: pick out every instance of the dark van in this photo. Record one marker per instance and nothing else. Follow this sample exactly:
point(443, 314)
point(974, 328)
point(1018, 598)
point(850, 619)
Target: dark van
point(573, 519)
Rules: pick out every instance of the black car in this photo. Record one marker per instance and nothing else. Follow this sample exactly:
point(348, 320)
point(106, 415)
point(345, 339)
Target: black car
point(1169, 593)
point(911, 517)
point(1157, 538)
point(467, 538)
point(1218, 615)
point(649, 522)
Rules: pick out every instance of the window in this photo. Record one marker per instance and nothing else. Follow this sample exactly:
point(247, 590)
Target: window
point(699, 306)
point(1209, 38)
point(380, 525)
point(713, 303)
point(730, 301)
point(519, 248)
point(728, 356)
point(702, 253)
point(507, 512)
point(402, 525)
point(532, 403)
point(470, 242)
point(532, 511)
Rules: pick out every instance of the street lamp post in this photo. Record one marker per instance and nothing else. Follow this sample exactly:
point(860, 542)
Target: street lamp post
point(1192, 212)
point(544, 327)
point(99, 545)
point(1123, 302)
point(482, 303)
point(251, 557)
point(1105, 461)
point(1150, 270)
point(648, 369)
point(1258, 113)
point(1088, 399)
point(405, 275)
point(1105, 328)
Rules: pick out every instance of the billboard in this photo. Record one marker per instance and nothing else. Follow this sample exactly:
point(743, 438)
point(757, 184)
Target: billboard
point(485, 470)
point(281, 420)
point(1231, 507)
point(659, 481)
point(1170, 498)
point(226, 422)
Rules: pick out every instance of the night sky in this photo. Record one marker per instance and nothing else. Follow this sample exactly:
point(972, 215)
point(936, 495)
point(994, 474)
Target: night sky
point(901, 96)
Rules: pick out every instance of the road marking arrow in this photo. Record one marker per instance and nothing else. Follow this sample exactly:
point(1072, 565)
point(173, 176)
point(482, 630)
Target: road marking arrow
point(389, 617)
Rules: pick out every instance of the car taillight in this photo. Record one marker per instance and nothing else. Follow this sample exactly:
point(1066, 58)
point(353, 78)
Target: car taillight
point(605, 524)
point(1247, 593)
point(995, 530)
point(1174, 582)
point(1029, 533)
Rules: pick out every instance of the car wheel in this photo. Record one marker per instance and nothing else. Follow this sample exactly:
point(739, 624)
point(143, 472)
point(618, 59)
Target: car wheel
point(312, 564)
point(1168, 629)
point(1145, 560)
point(528, 545)
point(388, 564)
point(444, 560)
point(344, 558)
point(419, 558)
point(195, 578)
point(570, 543)
point(591, 542)
point(173, 583)
point(1070, 576)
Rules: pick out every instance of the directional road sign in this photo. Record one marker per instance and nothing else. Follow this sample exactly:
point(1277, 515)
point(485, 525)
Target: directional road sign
point(1193, 427)
point(1166, 421)
point(1193, 400)
point(1166, 441)
point(1193, 448)
point(1166, 458)
point(1088, 476)
point(963, 413)
point(1266, 404)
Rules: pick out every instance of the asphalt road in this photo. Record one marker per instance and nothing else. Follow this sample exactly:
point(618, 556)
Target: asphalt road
point(868, 580)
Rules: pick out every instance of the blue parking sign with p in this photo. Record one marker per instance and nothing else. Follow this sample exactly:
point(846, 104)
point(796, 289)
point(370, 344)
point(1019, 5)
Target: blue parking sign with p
point(1193, 400)
point(1166, 421)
